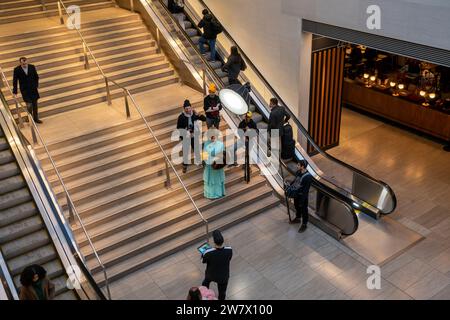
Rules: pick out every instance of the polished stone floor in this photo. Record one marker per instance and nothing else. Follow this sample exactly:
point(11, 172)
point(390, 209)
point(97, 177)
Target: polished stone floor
point(273, 261)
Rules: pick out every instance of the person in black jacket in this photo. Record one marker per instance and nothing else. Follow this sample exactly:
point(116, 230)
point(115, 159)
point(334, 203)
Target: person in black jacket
point(301, 200)
point(209, 35)
point(26, 75)
point(235, 64)
point(186, 121)
point(277, 118)
point(217, 261)
point(212, 107)
point(244, 125)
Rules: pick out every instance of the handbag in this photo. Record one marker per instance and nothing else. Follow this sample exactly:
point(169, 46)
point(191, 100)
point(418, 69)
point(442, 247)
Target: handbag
point(218, 166)
point(292, 190)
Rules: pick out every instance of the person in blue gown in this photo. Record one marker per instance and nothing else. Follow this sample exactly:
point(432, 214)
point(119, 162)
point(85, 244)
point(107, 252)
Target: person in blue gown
point(214, 179)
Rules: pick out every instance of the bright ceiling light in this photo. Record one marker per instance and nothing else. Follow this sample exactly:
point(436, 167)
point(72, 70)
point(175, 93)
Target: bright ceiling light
point(233, 101)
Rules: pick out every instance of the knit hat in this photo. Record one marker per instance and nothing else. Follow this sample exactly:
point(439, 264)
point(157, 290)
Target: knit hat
point(186, 103)
point(212, 88)
point(217, 237)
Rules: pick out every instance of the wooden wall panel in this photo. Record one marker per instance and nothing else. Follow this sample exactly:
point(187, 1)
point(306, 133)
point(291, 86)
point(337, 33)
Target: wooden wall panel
point(327, 70)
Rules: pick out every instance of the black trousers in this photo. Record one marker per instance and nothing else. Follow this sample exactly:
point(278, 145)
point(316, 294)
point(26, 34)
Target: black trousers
point(301, 208)
point(222, 287)
point(33, 109)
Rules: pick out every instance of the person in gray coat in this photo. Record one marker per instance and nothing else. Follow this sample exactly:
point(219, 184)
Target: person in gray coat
point(235, 64)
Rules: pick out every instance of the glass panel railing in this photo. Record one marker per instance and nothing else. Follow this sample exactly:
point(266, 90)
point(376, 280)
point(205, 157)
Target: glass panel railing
point(358, 186)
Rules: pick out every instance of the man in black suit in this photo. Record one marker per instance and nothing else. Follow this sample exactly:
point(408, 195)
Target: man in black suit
point(217, 261)
point(28, 79)
point(303, 180)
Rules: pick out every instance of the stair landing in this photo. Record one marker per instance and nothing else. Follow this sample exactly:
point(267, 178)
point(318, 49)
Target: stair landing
point(75, 123)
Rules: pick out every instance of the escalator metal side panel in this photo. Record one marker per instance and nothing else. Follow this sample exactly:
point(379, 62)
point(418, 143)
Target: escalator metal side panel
point(39, 194)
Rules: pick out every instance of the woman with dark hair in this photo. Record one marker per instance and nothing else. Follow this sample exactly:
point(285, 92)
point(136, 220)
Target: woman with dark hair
point(235, 64)
point(35, 285)
point(201, 293)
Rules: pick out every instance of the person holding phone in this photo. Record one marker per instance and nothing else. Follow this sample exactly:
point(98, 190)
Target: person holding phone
point(217, 261)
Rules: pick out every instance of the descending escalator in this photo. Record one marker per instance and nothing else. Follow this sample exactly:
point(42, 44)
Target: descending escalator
point(24, 239)
point(32, 229)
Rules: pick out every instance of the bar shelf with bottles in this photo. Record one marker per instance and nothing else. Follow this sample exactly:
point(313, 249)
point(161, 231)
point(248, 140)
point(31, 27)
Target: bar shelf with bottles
point(404, 90)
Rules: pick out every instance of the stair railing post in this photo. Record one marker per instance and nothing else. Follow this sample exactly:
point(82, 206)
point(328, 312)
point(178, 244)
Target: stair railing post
point(2, 84)
point(158, 41)
point(71, 215)
point(33, 132)
point(44, 8)
point(108, 93)
point(204, 80)
point(86, 58)
point(127, 105)
point(247, 161)
point(107, 283)
point(61, 18)
point(167, 182)
point(131, 5)
point(19, 115)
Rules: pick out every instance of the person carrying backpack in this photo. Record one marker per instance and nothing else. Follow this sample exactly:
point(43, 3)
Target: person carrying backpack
point(287, 142)
point(211, 28)
point(299, 191)
point(235, 64)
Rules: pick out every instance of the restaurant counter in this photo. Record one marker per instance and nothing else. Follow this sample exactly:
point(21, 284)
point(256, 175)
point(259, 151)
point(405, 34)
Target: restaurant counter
point(416, 116)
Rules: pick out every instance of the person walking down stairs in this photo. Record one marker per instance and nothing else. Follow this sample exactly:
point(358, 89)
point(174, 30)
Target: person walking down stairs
point(28, 79)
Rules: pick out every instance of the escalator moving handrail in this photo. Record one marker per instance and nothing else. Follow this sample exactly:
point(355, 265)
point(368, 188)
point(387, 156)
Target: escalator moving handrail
point(297, 122)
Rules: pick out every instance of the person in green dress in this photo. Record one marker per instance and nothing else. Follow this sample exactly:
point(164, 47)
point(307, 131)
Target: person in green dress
point(214, 178)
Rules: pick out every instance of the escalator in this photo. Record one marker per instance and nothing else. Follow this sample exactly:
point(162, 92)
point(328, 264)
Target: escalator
point(31, 231)
point(340, 191)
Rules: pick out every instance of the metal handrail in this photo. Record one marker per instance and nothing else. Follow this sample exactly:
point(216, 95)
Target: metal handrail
point(71, 206)
point(128, 94)
point(297, 122)
point(7, 280)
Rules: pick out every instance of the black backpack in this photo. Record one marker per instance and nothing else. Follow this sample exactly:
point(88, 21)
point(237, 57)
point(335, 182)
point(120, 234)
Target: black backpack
point(287, 143)
point(217, 27)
